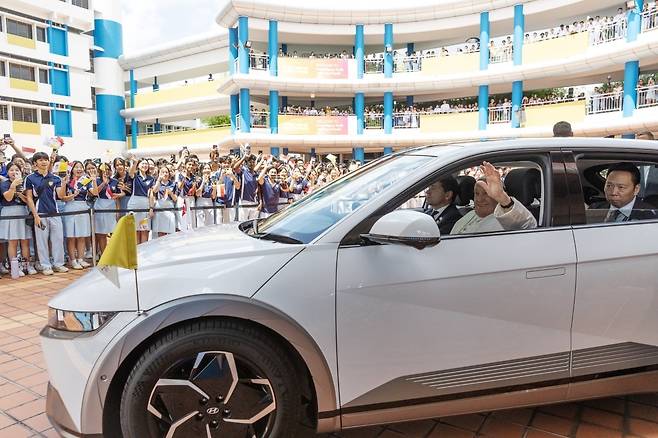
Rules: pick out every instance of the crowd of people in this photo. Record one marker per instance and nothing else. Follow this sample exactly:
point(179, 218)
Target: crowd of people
point(50, 205)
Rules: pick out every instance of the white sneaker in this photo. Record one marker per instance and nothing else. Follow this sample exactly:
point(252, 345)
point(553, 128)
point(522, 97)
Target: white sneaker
point(47, 271)
point(84, 264)
point(31, 270)
point(21, 273)
point(88, 254)
point(3, 270)
point(38, 267)
point(75, 265)
point(62, 269)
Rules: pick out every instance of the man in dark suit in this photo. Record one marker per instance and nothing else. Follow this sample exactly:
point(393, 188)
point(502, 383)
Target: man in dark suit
point(622, 186)
point(440, 198)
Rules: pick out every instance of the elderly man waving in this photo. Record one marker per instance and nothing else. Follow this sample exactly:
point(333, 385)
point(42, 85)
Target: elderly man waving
point(494, 209)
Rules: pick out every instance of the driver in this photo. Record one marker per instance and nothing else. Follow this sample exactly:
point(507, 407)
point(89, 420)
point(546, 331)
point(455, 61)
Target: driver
point(494, 209)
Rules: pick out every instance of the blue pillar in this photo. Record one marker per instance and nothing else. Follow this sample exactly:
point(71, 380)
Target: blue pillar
point(243, 51)
point(517, 87)
point(483, 107)
point(359, 154)
point(388, 150)
point(133, 122)
point(410, 49)
point(484, 41)
point(359, 110)
point(273, 48)
point(156, 86)
point(631, 76)
point(285, 151)
point(274, 151)
point(235, 109)
point(232, 49)
point(245, 110)
point(359, 51)
point(388, 112)
point(274, 112)
point(388, 54)
point(410, 101)
point(634, 17)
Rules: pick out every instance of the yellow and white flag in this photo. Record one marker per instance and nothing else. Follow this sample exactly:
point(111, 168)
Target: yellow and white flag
point(121, 251)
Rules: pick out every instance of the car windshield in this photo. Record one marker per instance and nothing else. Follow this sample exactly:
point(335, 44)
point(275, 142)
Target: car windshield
point(306, 219)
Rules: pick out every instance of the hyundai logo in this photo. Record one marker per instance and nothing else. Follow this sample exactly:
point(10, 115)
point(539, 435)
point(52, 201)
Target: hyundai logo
point(213, 411)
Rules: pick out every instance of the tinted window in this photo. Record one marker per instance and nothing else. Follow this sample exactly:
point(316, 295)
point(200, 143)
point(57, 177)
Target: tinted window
point(18, 28)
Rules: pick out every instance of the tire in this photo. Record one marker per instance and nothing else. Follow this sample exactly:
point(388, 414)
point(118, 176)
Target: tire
point(182, 386)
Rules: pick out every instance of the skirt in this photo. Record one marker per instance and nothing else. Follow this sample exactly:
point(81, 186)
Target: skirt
point(77, 225)
point(14, 229)
point(205, 217)
point(104, 223)
point(142, 220)
point(164, 221)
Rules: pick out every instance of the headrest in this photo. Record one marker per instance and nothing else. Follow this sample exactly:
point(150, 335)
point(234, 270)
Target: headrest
point(466, 190)
point(524, 185)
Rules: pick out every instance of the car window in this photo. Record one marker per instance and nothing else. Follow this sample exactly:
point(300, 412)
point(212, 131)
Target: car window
point(460, 205)
point(618, 190)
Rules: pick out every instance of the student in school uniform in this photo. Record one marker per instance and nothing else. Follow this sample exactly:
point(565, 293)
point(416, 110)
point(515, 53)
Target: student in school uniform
point(270, 191)
point(164, 195)
point(15, 231)
point(247, 173)
point(139, 200)
point(77, 227)
point(227, 193)
point(125, 182)
point(42, 188)
point(108, 195)
point(205, 197)
point(187, 185)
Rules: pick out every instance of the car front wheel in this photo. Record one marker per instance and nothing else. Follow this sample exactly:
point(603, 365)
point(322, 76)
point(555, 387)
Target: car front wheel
point(213, 378)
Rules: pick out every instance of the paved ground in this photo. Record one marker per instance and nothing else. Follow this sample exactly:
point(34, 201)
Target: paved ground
point(23, 387)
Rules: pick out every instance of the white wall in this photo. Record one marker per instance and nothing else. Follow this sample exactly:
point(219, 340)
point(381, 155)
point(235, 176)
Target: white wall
point(80, 88)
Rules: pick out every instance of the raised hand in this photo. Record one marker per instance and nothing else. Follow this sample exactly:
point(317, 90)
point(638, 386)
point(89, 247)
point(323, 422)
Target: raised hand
point(492, 184)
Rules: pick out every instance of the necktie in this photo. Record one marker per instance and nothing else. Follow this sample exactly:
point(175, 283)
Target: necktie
point(615, 216)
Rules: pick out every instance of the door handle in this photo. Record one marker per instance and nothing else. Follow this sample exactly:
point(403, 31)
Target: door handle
point(543, 273)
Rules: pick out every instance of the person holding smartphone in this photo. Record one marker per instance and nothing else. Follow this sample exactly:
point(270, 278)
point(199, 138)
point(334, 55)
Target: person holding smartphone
point(164, 195)
point(187, 185)
point(42, 189)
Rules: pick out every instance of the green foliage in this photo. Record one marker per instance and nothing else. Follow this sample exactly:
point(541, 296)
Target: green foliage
point(217, 120)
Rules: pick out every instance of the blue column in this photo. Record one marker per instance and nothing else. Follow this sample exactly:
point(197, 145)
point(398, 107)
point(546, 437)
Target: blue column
point(483, 107)
point(273, 47)
point(245, 110)
point(359, 51)
point(235, 109)
point(410, 49)
point(410, 101)
point(388, 55)
point(133, 123)
point(631, 76)
point(243, 51)
point(232, 49)
point(388, 112)
point(517, 87)
point(359, 154)
point(388, 150)
point(274, 151)
point(634, 17)
point(359, 110)
point(484, 41)
point(274, 112)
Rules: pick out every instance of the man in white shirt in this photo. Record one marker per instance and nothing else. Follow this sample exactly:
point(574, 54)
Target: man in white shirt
point(494, 209)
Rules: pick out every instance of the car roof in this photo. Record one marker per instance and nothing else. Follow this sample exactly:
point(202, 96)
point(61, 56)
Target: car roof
point(573, 143)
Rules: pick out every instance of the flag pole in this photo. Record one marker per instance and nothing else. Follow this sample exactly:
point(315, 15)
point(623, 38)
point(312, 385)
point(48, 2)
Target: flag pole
point(139, 312)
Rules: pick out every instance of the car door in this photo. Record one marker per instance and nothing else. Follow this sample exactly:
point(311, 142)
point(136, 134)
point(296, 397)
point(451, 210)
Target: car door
point(474, 313)
point(615, 323)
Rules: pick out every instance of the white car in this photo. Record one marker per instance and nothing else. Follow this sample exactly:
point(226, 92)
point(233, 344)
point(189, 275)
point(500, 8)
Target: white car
point(349, 309)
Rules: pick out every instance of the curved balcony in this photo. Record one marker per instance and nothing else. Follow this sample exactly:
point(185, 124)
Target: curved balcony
point(201, 139)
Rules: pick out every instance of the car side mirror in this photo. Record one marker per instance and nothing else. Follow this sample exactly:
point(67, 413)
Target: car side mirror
point(405, 227)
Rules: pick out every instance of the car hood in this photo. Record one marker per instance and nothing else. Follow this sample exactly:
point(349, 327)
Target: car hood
point(212, 260)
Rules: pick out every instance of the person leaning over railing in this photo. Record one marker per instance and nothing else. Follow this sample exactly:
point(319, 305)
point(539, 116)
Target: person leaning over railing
point(108, 195)
point(15, 231)
point(77, 227)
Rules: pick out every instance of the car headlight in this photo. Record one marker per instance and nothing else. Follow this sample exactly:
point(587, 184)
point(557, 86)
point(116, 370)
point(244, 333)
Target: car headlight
point(77, 321)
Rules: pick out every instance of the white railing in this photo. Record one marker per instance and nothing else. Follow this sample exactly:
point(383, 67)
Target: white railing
point(258, 61)
point(374, 66)
point(499, 55)
point(500, 114)
point(605, 103)
point(374, 121)
point(406, 120)
point(609, 32)
point(259, 119)
point(649, 19)
point(407, 64)
point(646, 96)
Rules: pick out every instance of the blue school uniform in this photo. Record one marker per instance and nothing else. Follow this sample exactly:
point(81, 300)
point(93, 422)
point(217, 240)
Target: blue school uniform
point(271, 193)
point(112, 186)
point(43, 188)
point(141, 185)
point(16, 201)
point(249, 185)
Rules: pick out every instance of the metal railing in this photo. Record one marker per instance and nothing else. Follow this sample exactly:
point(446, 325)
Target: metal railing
point(646, 96)
point(408, 64)
point(605, 103)
point(500, 114)
point(374, 121)
point(406, 120)
point(260, 119)
point(649, 20)
point(373, 66)
point(613, 31)
point(259, 61)
point(498, 55)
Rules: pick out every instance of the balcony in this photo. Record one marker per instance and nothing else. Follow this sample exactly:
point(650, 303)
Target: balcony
point(174, 94)
point(204, 136)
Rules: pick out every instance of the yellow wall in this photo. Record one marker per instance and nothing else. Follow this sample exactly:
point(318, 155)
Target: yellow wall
point(548, 115)
point(449, 122)
point(445, 65)
point(21, 41)
point(26, 128)
point(181, 138)
point(21, 84)
point(556, 48)
point(183, 92)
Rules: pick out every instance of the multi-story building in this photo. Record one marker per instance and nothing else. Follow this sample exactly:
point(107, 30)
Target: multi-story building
point(59, 75)
point(397, 77)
